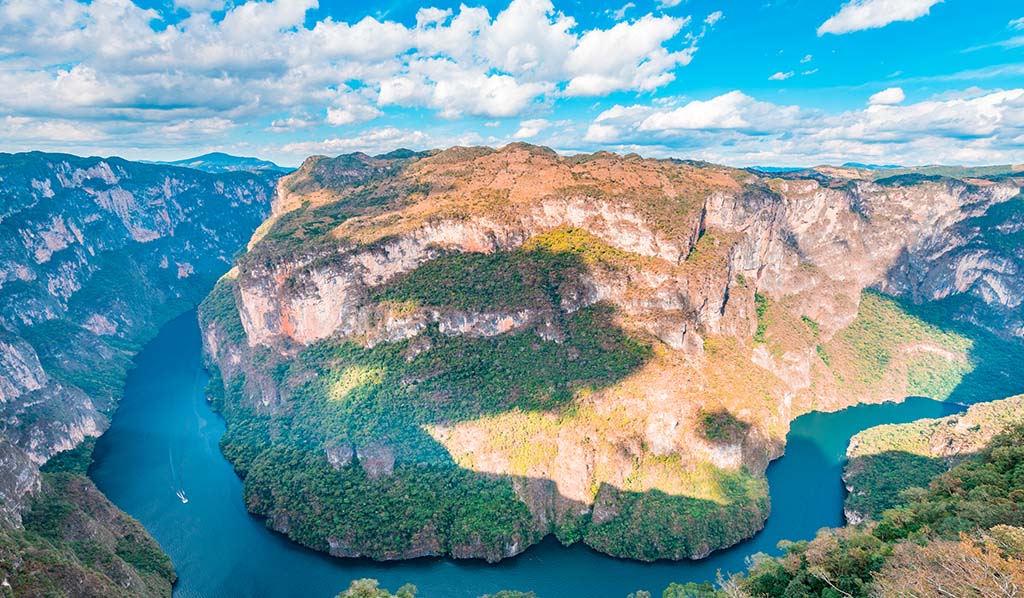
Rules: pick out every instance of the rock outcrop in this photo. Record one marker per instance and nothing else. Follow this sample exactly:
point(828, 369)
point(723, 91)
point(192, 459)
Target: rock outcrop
point(94, 255)
point(728, 302)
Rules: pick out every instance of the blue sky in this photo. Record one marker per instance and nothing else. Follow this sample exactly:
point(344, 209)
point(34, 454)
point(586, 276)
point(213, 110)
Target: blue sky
point(786, 82)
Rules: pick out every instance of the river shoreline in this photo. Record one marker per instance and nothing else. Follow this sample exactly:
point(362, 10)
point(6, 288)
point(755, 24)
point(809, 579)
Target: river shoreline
point(164, 439)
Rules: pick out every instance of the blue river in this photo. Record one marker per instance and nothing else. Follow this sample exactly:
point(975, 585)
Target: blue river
point(163, 440)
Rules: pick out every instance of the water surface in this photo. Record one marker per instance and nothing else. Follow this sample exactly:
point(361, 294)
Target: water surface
point(162, 444)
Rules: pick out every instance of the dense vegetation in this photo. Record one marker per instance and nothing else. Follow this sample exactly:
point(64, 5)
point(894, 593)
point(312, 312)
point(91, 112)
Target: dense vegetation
point(535, 275)
point(961, 536)
point(362, 396)
point(370, 588)
point(654, 525)
point(886, 460)
point(75, 543)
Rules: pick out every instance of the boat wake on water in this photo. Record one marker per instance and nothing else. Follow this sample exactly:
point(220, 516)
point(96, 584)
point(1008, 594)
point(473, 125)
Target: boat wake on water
point(180, 492)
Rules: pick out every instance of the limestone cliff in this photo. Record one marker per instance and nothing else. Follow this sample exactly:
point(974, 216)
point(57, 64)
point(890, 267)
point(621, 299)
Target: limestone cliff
point(404, 314)
point(94, 255)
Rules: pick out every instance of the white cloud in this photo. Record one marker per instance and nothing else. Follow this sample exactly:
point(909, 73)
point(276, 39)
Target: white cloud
point(426, 17)
point(112, 60)
point(597, 133)
point(806, 59)
point(292, 123)
point(974, 126)
point(857, 15)
point(713, 18)
point(663, 4)
point(372, 142)
point(891, 95)
point(351, 111)
point(781, 76)
point(1016, 41)
point(733, 110)
point(620, 13)
point(639, 61)
point(531, 128)
point(1016, 24)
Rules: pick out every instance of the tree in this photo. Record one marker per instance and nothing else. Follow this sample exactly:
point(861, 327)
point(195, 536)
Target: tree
point(965, 569)
point(370, 588)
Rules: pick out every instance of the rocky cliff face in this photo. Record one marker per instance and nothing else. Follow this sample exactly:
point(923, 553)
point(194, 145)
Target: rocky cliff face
point(726, 303)
point(94, 254)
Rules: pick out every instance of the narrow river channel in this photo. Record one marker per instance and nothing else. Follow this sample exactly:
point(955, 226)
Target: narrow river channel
point(162, 446)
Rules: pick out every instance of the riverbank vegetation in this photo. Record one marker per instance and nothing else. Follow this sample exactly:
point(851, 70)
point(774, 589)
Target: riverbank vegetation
point(76, 543)
point(883, 461)
point(962, 535)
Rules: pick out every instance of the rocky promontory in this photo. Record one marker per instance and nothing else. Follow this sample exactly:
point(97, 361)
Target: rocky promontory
point(462, 351)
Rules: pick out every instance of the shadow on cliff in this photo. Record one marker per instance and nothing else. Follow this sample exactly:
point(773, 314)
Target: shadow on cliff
point(368, 410)
point(997, 359)
point(997, 362)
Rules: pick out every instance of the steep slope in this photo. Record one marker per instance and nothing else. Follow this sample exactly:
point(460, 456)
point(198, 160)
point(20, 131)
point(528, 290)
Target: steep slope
point(886, 460)
point(75, 542)
point(960, 533)
point(94, 255)
point(496, 345)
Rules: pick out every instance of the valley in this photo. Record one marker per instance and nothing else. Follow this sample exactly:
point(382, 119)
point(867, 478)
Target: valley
point(479, 354)
point(97, 254)
point(469, 350)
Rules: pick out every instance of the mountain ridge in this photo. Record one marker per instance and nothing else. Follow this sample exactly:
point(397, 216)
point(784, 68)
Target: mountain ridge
point(220, 162)
point(728, 302)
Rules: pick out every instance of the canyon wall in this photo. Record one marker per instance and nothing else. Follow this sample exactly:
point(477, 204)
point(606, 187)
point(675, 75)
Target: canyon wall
point(94, 255)
point(743, 295)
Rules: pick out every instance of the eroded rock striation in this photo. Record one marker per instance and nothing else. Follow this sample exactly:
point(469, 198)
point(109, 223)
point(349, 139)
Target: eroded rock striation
point(463, 351)
point(95, 254)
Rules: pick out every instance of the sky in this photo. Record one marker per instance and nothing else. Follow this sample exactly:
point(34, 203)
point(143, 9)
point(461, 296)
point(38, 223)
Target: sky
point(758, 82)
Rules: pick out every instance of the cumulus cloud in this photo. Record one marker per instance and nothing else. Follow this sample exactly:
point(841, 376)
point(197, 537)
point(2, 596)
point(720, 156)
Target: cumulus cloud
point(111, 60)
point(350, 111)
point(891, 95)
point(596, 71)
point(713, 18)
point(976, 126)
point(1016, 24)
point(781, 76)
point(857, 15)
point(531, 128)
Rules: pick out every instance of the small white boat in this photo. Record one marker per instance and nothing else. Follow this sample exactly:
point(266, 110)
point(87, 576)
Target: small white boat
point(181, 495)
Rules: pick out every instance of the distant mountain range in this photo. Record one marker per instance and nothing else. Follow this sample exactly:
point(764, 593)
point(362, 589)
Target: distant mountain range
point(217, 162)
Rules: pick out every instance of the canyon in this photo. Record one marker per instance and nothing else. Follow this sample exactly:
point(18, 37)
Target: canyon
point(96, 255)
point(461, 352)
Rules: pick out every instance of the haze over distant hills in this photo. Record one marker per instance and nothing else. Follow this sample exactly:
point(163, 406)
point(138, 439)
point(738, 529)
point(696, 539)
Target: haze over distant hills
point(218, 162)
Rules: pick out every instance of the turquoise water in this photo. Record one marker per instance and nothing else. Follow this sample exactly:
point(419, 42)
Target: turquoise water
point(163, 440)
